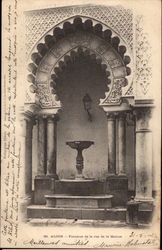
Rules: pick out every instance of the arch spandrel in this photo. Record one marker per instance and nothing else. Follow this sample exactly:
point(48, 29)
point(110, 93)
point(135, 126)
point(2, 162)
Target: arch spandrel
point(49, 58)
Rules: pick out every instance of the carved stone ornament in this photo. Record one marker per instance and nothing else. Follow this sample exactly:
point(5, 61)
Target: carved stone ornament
point(44, 95)
point(44, 91)
point(29, 98)
point(115, 63)
point(117, 18)
point(115, 93)
point(80, 39)
point(143, 60)
point(57, 49)
point(129, 92)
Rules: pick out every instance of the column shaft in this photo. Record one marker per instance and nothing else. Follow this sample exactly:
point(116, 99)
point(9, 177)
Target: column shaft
point(121, 143)
point(51, 146)
point(143, 154)
point(28, 167)
point(41, 168)
point(111, 144)
point(26, 157)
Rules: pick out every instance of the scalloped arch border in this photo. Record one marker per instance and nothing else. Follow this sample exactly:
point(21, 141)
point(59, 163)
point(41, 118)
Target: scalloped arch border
point(43, 49)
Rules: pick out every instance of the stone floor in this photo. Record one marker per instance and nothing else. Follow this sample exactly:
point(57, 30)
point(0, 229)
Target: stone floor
point(84, 223)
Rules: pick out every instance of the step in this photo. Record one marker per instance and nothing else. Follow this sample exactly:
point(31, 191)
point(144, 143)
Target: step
point(41, 211)
point(73, 222)
point(69, 201)
point(79, 187)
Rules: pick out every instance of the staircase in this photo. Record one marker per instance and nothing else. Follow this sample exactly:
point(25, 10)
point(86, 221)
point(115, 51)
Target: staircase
point(77, 199)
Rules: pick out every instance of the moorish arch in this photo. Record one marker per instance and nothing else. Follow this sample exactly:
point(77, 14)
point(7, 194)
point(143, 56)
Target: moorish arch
point(58, 48)
point(77, 35)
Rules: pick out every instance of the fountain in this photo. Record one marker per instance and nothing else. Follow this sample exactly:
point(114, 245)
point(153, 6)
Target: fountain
point(79, 193)
point(79, 146)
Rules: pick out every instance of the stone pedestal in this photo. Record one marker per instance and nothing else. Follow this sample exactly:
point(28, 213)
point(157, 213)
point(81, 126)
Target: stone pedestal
point(118, 187)
point(132, 212)
point(43, 185)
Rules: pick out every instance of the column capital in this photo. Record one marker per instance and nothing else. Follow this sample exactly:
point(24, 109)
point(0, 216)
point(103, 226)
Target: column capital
point(41, 117)
point(121, 114)
point(140, 112)
point(52, 118)
point(28, 116)
point(110, 116)
point(26, 122)
point(48, 117)
point(143, 116)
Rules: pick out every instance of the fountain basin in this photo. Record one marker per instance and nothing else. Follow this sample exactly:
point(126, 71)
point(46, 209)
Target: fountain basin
point(80, 144)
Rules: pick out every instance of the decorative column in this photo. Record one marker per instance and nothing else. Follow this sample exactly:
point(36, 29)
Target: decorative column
point(117, 185)
point(27, 123)
point(111, 143)
point(52, 145)
point(143, 154)
point(121, 142)
point(41, 168)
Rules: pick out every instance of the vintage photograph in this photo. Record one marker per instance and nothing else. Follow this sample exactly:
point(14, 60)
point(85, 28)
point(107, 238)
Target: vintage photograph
point(81, 118)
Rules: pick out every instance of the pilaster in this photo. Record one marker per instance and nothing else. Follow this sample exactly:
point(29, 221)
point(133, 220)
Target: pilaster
point(143, 153)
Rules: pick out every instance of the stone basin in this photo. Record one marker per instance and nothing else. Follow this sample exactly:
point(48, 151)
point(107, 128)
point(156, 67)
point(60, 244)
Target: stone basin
point(79, 144)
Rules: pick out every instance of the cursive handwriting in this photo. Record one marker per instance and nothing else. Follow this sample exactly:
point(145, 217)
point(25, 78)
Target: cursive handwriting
point(10, 148)
point(33, 242)
point(141, 242)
